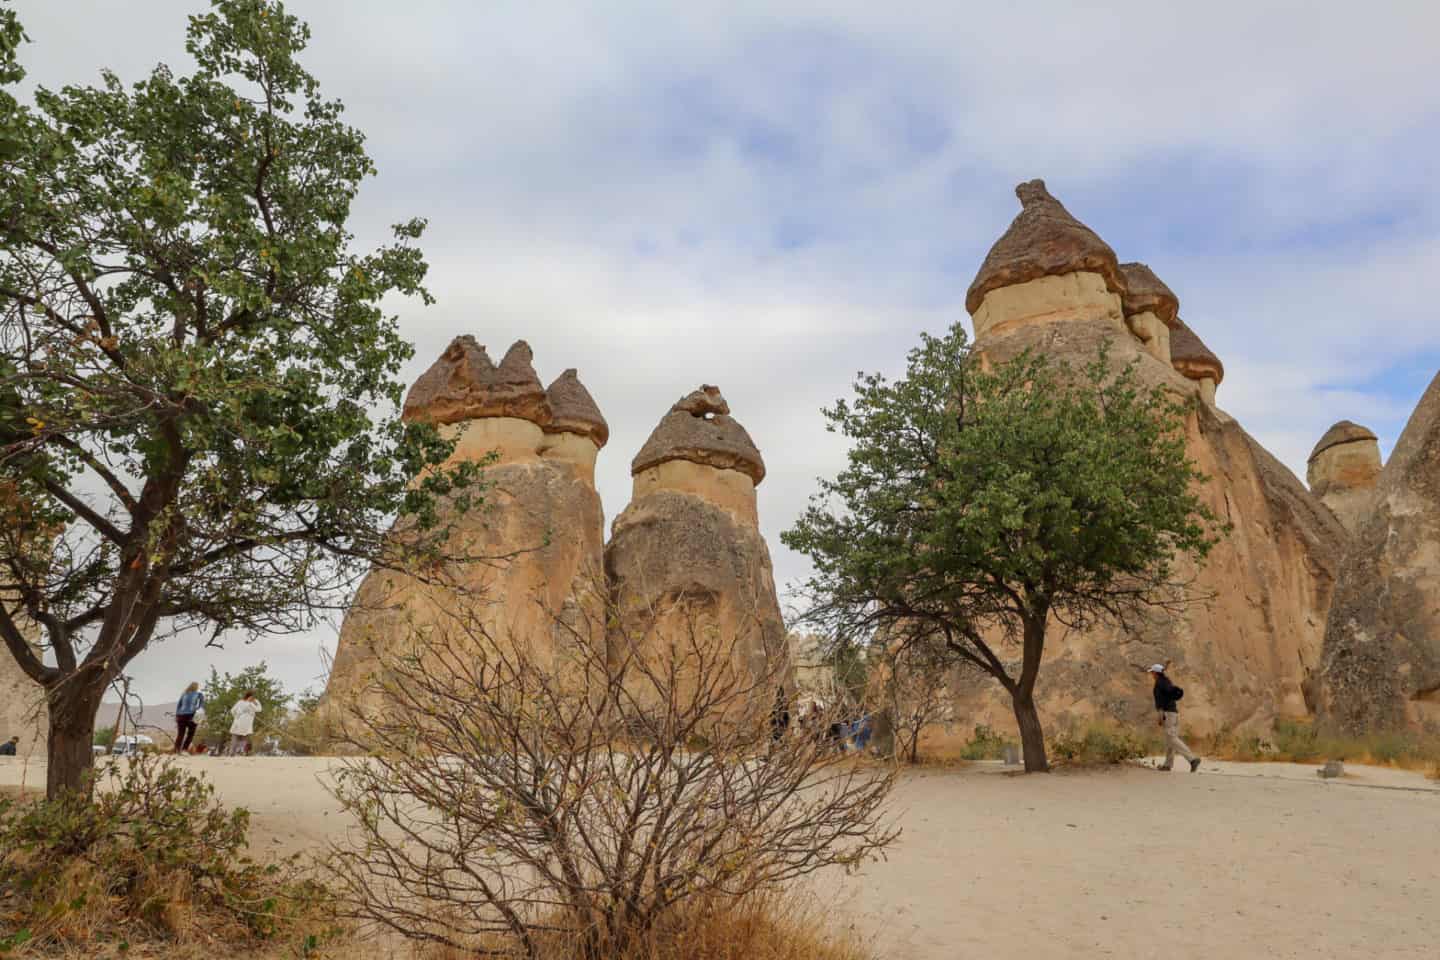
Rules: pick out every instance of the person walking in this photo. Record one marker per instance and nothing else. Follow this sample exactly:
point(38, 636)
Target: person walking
point(242, 727)
point(191, 702)
point(779, 716)
point(1167, 700)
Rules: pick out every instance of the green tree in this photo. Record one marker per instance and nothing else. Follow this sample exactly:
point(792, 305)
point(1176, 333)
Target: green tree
point(198, 383)
point(979, 506)
point(223, 691)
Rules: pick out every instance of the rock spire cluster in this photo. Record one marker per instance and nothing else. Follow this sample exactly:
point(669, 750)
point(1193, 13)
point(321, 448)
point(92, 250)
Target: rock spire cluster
point(1052, 285)
point(688, 542)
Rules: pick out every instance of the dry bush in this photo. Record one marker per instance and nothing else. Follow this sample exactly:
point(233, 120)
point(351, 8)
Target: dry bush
point(766, 925)
point(527, 795)
point(152, 858)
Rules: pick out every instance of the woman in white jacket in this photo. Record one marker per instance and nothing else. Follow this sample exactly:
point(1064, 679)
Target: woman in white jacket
point(243, 724)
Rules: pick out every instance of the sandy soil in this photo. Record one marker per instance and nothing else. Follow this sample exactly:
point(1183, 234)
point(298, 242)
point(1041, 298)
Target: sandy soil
point(1237, 861)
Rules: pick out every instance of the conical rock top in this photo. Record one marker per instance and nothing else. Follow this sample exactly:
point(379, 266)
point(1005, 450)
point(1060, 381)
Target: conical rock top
point(1190, 356)
point(465, 384)
point(1145, 292)
point(698, 428)
point(1345, 431)
point(574, 410)
point(1044, 240)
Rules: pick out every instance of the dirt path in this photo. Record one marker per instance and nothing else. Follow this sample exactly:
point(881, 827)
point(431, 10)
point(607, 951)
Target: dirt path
point(1238, 861)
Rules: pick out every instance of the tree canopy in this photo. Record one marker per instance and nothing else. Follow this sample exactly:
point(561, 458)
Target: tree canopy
point(199, 383)
point(981, 502)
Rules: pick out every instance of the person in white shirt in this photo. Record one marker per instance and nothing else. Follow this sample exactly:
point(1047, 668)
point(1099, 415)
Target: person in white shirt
point(243, 724)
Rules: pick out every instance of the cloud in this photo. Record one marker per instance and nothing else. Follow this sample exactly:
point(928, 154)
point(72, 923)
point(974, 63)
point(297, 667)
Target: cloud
point(774, 195)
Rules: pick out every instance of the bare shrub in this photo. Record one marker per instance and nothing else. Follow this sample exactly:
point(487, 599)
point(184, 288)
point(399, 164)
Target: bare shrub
point(153, 858)
point(537, 791)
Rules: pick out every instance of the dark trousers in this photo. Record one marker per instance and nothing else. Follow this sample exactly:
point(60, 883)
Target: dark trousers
point(186, 723)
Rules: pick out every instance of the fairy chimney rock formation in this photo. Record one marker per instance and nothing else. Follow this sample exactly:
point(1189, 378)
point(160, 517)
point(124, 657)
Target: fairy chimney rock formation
point(1051, 286)
point(576, 430)
point(687, 555)
point(1343, 470)
point(698, 448)
point(1381, 667)
point(501, 408)
point(1190, 356)
point(541, 522)
point(1046, 268)
point(1151, 309)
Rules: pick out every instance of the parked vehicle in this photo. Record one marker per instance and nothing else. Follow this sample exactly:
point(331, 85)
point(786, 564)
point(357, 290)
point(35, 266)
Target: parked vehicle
point(131, 744)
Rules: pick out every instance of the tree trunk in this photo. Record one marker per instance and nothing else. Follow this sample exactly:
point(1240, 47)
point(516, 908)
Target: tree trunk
point(72, 734)
point(1032, 737)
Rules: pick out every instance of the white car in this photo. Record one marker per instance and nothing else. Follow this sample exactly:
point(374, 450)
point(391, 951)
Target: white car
point(131, 744)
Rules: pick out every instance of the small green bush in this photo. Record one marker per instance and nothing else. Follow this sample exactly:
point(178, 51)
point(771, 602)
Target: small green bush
point(985, 744)
point(152, 853)
point(1098, 744)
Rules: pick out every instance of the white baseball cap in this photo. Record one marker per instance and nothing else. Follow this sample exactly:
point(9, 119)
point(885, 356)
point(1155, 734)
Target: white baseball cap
point(1157, 668)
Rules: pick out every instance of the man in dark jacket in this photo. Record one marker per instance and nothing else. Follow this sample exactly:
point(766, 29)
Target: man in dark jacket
point(1167, 700)
point(7, 749)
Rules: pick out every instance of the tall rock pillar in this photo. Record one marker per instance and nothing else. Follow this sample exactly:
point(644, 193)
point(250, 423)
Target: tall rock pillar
point(1382, 641)
point(686, 558)
point(541, 522)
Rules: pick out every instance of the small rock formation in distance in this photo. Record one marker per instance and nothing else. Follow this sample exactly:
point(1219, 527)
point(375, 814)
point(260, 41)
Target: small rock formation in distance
point(1343, 470)
point(1381, 667)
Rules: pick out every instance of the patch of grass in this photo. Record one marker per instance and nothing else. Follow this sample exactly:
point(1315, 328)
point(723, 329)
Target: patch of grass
point(985, 744)
point(151, 861)
point(1098, 743)
point(1301, 741)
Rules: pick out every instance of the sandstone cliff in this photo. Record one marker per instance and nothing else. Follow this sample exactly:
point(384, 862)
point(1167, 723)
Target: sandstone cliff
point(1245, 656)
point(1381, 665)
point(1343, 470)
point(686, 560)
point(542, 521)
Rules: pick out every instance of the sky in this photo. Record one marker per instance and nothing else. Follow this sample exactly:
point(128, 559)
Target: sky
point(773, 196)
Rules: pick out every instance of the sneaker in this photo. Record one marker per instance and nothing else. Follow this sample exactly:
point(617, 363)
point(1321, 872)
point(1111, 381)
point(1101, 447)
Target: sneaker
point(1194, 764)
point(1165, 766)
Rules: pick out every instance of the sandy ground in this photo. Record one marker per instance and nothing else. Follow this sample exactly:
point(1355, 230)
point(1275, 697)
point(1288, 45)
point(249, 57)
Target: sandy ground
point(1238, 861)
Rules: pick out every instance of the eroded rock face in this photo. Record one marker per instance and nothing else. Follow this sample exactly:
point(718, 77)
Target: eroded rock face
point(1343, 470)
point(686, 557)
point(1249, 654)
point(1381, 664)
point(542, 519)
point(1151, 309)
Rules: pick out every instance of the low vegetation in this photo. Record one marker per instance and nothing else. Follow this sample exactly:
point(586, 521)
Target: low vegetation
point(596, 801)
point(1298, 741)
point(1101, 743)
point(153, 861)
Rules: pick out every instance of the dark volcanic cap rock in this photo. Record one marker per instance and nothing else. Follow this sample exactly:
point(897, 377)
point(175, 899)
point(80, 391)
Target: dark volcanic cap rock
point(574, 410)
point(1191, 357)
point(1043, 241)
point(699, 429)
point(1146, 292)
point(464, 384)
point(1343, 432)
